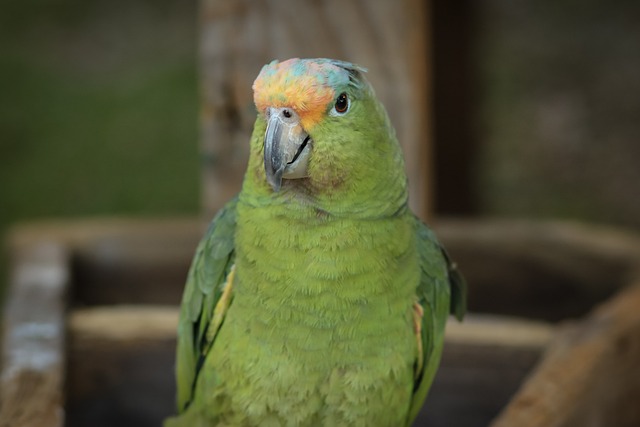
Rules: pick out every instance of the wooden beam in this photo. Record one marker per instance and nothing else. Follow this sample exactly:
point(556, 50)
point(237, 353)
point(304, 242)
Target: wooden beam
point(548, 270)
point(121, 260)
point(33, 357)
point(121, 365)
point(590, 375)
point(456, 130)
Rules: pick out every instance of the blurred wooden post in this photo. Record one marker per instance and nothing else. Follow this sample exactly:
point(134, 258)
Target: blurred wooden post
point(455, 74)
point(589, 375)
point(240, 36)
point(33, 362)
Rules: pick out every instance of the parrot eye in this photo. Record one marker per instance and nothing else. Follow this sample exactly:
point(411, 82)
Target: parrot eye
point(341, 106)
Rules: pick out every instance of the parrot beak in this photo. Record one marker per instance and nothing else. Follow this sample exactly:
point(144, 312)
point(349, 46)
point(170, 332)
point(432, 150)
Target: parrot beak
point(286, 147)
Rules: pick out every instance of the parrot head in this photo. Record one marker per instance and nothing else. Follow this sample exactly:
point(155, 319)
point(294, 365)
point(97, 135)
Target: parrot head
point(321, 131)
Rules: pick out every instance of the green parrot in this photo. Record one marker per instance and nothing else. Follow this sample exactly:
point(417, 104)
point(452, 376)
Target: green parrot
point(315, 298)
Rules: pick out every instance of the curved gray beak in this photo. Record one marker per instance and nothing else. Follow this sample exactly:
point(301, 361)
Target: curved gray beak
point(286, 147)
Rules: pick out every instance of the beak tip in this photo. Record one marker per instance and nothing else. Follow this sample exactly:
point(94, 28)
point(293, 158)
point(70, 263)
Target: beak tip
point(276, 186)
point(275, 180)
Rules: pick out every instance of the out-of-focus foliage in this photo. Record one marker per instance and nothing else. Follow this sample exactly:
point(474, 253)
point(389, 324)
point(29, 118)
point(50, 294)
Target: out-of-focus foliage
point(98, 113)
point(98, 108)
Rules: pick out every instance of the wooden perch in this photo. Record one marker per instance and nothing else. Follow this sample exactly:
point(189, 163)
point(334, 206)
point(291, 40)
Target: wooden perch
point(590, 375)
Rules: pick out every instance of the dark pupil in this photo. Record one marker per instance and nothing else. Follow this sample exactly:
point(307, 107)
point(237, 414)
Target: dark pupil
point(341, 103)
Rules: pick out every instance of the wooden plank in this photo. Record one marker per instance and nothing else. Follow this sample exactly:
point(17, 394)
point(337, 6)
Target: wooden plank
point(548, 270)
point(120, 260)
point(590, 375)
point(240, 36)
point(120, 370)
point(80, 235)
point(31, 386)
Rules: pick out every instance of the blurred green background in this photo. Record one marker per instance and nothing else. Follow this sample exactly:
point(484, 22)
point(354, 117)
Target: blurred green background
point(98, 113)
point(99, 108)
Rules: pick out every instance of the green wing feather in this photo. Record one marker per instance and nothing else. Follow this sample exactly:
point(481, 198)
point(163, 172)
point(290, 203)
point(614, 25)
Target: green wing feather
point(441, 291)
point(211, 264)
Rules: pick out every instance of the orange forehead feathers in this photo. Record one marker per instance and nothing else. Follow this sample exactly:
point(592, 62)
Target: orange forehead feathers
point(305, 85)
